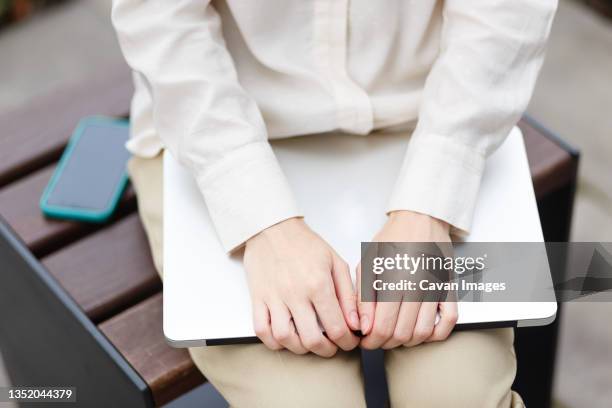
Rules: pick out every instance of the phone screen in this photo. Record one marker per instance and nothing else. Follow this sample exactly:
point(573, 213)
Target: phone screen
point(94, 169)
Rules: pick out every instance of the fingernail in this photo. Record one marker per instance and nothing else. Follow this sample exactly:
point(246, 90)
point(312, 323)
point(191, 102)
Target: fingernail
point(365, 325)
point(354, 318)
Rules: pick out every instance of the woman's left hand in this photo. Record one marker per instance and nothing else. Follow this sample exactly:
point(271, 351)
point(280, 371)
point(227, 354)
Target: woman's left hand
point(391, 324)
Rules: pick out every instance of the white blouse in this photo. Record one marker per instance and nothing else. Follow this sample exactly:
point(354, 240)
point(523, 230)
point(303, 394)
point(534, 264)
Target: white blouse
point(215, 81)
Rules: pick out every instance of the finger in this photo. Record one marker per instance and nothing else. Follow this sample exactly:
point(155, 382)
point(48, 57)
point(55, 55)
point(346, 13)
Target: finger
point(345, 292)
point(448, 319)
point(283, 329)
point(262, 327)
point(425, 323)
point(385, 320)
point(331, 318)
point(366, 309)
point(406, 320)
point(311, 335)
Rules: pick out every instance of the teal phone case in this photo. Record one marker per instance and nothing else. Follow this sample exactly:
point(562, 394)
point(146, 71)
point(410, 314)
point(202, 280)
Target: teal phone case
point(81, 214)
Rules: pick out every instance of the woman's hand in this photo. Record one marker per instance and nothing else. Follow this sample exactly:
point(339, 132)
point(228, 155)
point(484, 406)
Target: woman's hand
point(298, 281)
point(391, 324)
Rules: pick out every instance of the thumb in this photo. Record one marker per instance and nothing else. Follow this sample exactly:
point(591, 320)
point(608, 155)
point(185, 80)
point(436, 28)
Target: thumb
point(366, 309)
point(345, 292)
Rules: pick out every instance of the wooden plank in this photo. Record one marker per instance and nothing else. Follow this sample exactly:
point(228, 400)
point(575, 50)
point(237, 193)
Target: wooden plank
point(107, 271)
point(34, 135)
point(551, 166)
point(19, 207)
point(137, 334)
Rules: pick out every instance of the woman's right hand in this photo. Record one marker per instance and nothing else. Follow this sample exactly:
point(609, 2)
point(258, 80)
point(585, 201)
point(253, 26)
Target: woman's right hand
point(296, 281)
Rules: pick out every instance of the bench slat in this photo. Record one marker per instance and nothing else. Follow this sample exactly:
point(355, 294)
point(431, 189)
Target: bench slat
point(35, 134)
point(108, 270)
point(551, 166)
point(137, 334)
point(19, 207)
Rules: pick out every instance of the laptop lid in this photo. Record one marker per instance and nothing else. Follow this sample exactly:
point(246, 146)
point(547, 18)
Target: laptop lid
point(342, 183)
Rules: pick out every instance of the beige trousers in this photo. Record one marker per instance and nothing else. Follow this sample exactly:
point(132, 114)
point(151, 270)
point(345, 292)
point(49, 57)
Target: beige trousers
point(470, 369)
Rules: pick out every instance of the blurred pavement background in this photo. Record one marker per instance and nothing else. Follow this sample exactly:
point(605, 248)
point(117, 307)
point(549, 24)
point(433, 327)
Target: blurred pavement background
point(573, 98)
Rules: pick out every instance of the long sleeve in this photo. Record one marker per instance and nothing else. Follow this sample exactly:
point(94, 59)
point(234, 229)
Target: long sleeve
point(490, 55)
point(203, 115)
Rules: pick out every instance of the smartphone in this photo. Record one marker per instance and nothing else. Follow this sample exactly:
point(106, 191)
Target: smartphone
point(92, 173)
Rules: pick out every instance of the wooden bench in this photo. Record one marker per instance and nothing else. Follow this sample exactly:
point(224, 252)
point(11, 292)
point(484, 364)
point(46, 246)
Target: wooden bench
point(81, 305)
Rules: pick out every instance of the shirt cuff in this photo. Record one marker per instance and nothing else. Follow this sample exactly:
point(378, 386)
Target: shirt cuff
point(246, 192)
point(440, 178)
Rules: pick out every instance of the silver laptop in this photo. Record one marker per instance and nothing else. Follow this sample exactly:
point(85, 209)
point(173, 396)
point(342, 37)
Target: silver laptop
point(342, 184)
